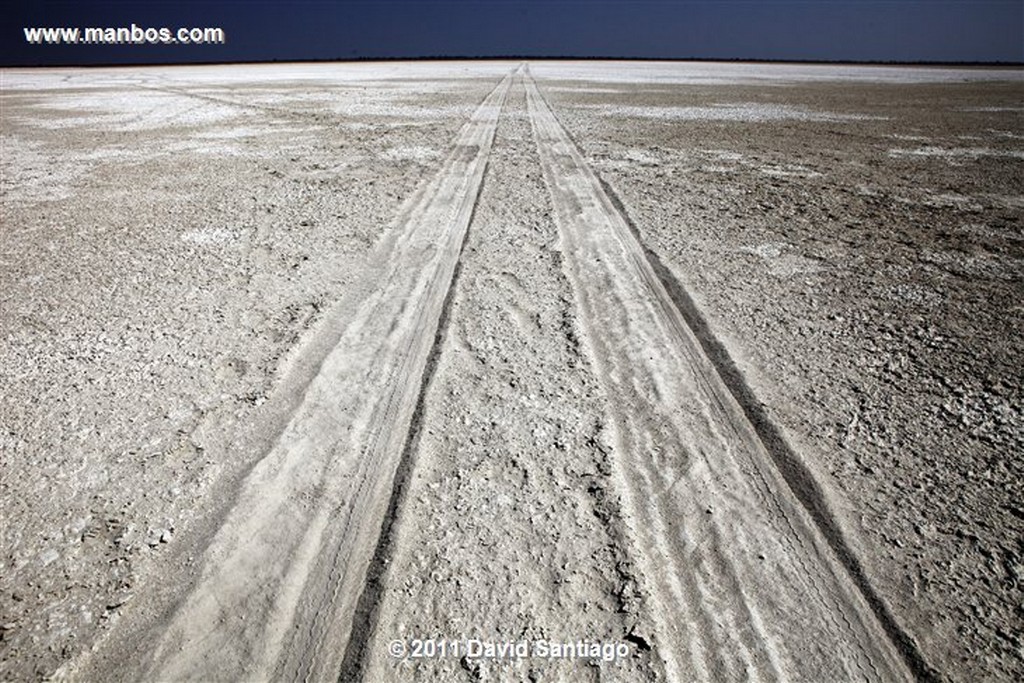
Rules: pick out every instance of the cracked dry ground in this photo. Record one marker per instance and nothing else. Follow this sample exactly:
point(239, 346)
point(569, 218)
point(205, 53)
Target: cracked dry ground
point(723, 372)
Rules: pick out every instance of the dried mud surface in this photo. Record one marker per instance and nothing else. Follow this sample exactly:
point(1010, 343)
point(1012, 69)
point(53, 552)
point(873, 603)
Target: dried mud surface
point(866, 273)
point(163, 256)
point(183, 249)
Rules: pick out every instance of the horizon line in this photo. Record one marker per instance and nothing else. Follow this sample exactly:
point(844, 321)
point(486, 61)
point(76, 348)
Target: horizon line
point(512, 57)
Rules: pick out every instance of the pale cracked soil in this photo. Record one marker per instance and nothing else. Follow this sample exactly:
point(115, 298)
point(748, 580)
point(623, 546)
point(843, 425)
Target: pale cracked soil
point(715, 363)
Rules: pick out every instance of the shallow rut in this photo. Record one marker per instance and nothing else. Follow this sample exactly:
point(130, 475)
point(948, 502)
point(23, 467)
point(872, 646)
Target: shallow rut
point(507, 529)
point(743, 584)
point(281, 577)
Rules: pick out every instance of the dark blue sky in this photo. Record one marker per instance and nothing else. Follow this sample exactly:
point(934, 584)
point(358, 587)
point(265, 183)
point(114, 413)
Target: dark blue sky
point(848, 30)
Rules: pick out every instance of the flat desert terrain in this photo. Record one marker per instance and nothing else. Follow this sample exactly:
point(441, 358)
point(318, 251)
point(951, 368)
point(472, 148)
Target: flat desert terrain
point(498, 371)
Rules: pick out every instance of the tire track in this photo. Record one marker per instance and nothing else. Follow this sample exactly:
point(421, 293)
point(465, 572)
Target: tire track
point(795, 472)
point(505, 529)
point(363, 621)
point(744, 584)
point(282, 575)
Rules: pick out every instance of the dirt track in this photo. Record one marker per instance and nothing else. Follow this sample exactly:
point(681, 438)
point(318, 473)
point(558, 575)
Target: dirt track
point(279, 588)
point(742, 583)
point(516, 427)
